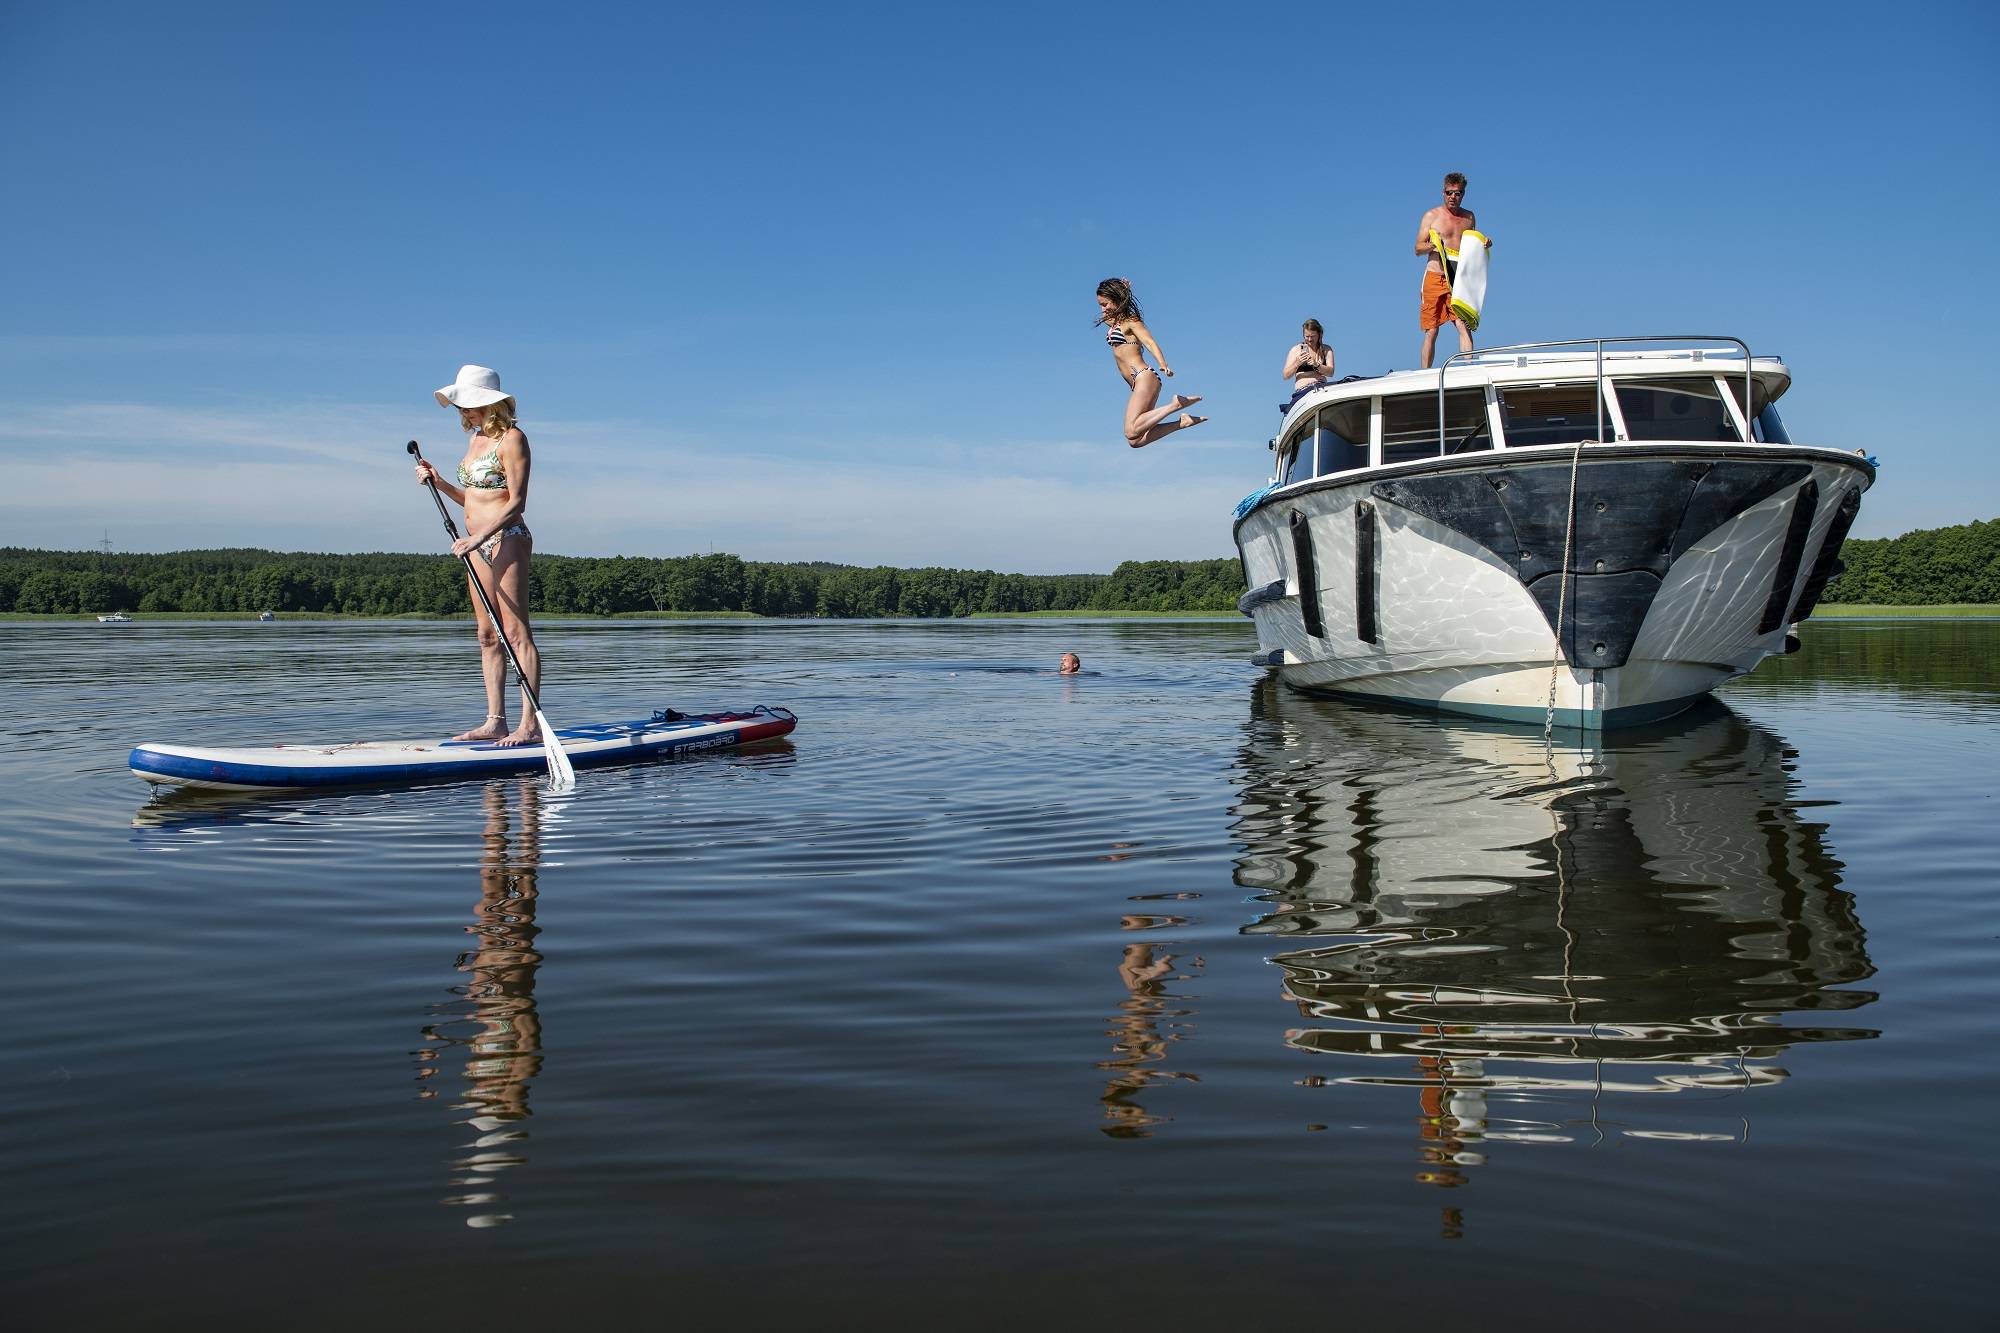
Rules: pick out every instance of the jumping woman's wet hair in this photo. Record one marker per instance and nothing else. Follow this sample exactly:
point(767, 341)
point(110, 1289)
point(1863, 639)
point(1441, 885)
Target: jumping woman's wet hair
point(1119, 293)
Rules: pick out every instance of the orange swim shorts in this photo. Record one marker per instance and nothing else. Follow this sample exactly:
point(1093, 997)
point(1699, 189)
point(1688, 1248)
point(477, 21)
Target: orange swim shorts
point(1434, 306)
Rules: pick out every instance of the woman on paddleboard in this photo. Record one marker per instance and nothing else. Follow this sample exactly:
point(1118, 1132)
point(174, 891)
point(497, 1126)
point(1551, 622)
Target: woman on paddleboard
point(1118, 312)
point(493, 489)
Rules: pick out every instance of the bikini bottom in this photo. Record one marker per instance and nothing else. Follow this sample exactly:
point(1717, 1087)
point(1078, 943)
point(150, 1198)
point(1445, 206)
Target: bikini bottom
point(490, 548)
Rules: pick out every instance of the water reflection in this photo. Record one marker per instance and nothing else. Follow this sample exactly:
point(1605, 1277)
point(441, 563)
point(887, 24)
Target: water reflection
point(1532, 944)
point(1147, 1021)
point(491, 1025)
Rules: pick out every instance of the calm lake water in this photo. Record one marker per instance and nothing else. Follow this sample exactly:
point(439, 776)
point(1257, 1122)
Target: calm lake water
point(994, 997)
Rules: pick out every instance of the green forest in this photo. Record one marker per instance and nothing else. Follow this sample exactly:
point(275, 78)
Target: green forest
point(73, 582)
point(1925, 568)
point(1929, 567)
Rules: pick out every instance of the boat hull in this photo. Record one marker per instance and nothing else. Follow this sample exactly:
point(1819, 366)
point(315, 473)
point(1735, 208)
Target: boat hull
point(1613, 586)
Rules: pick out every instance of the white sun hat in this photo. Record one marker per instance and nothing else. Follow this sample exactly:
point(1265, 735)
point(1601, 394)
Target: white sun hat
point(476, 386)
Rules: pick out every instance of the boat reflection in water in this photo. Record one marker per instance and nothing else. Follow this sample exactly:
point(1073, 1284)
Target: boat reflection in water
point(492, 1024)
point(1531, 940)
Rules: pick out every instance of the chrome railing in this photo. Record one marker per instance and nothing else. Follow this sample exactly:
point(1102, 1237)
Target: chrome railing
point(1749, 398)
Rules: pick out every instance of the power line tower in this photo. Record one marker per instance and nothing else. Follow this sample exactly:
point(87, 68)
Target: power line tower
point(105, 545)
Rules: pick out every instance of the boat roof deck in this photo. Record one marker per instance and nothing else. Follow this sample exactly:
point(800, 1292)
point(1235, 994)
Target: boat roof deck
point(1533, 363)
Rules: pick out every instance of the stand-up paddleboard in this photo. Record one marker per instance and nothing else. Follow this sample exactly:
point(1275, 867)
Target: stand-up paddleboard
point(267, 767)
point(1468, 283)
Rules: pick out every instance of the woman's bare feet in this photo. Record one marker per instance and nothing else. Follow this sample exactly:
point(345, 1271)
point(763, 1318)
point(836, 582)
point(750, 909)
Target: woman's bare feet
point(492, 729)
point(1183, 401)
point(1188, 419)
point(525, 734)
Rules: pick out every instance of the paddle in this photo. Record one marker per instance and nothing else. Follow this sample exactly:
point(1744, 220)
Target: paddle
point(561, 775)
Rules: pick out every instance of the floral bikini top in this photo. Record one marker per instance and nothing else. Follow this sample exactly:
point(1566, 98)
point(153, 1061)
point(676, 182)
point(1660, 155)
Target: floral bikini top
point(484, 474)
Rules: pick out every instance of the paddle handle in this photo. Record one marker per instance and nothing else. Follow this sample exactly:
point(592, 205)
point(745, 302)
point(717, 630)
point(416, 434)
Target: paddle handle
point(443, 513)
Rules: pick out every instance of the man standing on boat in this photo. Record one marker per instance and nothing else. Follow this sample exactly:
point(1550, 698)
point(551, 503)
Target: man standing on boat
point(1437, 239)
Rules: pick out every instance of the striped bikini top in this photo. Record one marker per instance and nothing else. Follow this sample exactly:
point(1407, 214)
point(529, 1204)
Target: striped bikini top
point(1115, 335)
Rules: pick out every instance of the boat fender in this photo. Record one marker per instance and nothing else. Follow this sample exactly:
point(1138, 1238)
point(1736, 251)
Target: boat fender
point(1804, 507)
point(1366, 627)
point(1306, 574)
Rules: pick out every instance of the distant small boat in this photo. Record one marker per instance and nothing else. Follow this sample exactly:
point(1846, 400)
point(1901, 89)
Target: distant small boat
point(267, 615)
point(115, 618)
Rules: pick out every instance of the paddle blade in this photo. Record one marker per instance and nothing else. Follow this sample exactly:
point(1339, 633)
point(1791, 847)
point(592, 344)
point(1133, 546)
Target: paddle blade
point(562, 777)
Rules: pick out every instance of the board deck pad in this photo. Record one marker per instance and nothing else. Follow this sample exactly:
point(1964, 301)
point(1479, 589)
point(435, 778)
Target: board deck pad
point(275, 767)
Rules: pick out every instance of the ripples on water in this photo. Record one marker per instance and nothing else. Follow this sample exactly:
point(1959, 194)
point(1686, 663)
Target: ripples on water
point(992, 995)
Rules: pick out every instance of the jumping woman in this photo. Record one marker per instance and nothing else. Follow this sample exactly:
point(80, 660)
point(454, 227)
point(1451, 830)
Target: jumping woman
point(1118, 312)
point(493, 489)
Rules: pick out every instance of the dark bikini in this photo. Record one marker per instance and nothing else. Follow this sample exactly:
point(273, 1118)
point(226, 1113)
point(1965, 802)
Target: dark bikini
point(1116, 337)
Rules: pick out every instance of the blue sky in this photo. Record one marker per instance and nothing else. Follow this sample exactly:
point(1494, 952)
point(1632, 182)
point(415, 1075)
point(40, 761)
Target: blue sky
point(814, 281)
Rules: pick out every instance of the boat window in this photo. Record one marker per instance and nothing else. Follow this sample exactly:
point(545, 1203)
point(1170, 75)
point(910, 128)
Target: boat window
point(1765, 425)
point(1298, 459)
point(1686, 407)
point(1343, 436)
point(1768, 428)
point(1410, 425)
point(1534, 414)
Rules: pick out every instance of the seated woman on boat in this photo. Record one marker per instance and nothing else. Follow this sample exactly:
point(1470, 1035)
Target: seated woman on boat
point(1118, 312)
point(493, 489)
point(1310, 362)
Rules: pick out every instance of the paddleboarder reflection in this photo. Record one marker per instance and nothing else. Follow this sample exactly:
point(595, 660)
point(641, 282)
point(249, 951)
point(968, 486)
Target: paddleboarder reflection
point(494, 1023)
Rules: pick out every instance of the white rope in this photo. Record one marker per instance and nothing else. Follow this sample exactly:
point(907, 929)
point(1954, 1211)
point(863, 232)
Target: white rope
point(1562, 598)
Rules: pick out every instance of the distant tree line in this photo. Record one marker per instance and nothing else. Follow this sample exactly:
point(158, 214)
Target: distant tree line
point(1923, 568)
point(1929, 567)
point(390, 584)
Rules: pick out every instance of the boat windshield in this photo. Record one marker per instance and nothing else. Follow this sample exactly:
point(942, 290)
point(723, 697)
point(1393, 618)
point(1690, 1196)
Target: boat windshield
point(1297, 464)
point(1764, 425)
point(1342, 432)
point(1410, 425)
point(1685, 407)
point(1768, 428)
point(1535, 414)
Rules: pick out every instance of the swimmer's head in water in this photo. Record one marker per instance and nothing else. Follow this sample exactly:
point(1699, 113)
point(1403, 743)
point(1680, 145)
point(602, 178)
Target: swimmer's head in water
point(1071, 664)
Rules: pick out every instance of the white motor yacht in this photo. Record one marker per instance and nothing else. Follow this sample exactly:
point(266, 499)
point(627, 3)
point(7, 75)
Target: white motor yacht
point(1594, 532)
